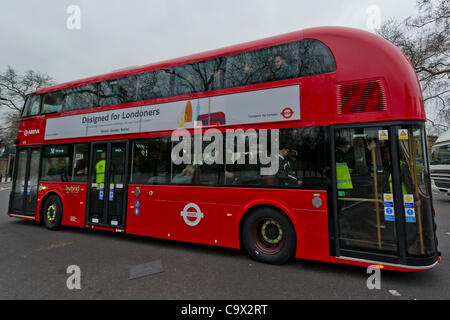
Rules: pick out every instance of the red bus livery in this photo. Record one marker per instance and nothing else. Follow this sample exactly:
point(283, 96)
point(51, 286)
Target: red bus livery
point(342, 106)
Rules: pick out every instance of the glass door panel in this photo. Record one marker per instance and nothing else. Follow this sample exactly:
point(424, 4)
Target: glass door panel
point(107, 187)
point(20, 180)
point(415, 191)
point(97, 185)
point(32, 181)
point(116, 184)
point(365, 203)
point(24, 195)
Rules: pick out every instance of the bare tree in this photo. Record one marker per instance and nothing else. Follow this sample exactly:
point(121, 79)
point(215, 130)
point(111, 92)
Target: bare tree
point(14, 89)
point(425, 40)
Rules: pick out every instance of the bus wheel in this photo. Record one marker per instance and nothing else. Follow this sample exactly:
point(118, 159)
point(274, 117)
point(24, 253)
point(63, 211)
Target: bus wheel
point(52, 214)
point(268, 236)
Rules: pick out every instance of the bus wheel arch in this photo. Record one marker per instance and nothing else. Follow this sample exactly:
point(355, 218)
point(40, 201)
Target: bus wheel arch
point(268, 234)
point(51, 212)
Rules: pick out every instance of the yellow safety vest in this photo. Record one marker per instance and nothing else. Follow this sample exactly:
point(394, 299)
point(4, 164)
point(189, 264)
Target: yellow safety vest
point(344, 180)
point(404, 191)
point(100, 171)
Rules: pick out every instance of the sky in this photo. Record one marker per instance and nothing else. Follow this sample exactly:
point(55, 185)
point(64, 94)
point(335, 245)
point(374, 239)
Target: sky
point(101, 36)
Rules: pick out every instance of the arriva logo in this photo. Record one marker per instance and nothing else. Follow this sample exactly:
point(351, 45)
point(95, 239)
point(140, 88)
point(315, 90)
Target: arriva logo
point(30, 132)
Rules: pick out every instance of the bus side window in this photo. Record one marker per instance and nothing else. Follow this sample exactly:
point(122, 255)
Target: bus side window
point(154, 84)
point(199, 76)
point(117, 91)
point(52, 102)
point(183, 174)
point(80, 163)
point(151, 161)
point(57, 163)
point(32, 106)
point(315, 58)
point(82, 97)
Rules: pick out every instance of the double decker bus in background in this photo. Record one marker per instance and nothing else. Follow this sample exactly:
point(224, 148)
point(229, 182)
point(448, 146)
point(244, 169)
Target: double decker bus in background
point(348, 113)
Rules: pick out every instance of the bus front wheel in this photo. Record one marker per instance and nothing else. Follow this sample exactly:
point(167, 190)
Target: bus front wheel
point(52, 212)
point(268, 236)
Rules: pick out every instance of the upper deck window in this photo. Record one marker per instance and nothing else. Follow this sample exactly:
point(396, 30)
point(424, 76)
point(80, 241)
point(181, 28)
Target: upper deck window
point(263, 65)
point(200, 76)
point(117, 91)
point(296, 59)
point(154, 84)
point(52, 102)
point(315, 58)
point(80, 97)
point(32, 106)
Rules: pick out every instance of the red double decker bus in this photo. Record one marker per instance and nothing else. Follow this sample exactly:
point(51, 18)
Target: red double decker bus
point(340, 110)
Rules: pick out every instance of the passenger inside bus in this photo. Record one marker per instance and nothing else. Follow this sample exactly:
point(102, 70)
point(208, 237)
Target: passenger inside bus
point(185, 176)
point(52, 103)
point(247, 168)
point(81, 167)
point(158, 169)
point(282, 69)
point(285, 175)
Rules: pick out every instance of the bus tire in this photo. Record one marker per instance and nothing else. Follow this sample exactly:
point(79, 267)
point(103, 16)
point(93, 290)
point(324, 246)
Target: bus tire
point(52, 212)
point(268, 236)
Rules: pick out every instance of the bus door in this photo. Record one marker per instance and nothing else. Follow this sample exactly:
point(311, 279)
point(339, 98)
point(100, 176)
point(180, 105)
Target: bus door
point(25, 186)
point(366, 212)
point(108, 184)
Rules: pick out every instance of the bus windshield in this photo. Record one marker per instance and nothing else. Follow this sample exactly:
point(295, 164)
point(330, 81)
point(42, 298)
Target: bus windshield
point(440, 154)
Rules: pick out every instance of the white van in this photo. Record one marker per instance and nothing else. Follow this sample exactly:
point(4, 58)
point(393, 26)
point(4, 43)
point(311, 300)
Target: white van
point(440, 164)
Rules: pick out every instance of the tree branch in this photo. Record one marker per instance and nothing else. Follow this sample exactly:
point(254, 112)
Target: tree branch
point(435, 96)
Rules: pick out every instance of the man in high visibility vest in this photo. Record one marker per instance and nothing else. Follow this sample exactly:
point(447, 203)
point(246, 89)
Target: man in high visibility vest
point(344, 184)
point(343, 158)
point(404, 173)
point(100, 168)
point(100, 171)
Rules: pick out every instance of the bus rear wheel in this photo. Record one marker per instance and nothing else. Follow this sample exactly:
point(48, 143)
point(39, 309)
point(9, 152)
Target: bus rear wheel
point(268, 236)
point(52, 212)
